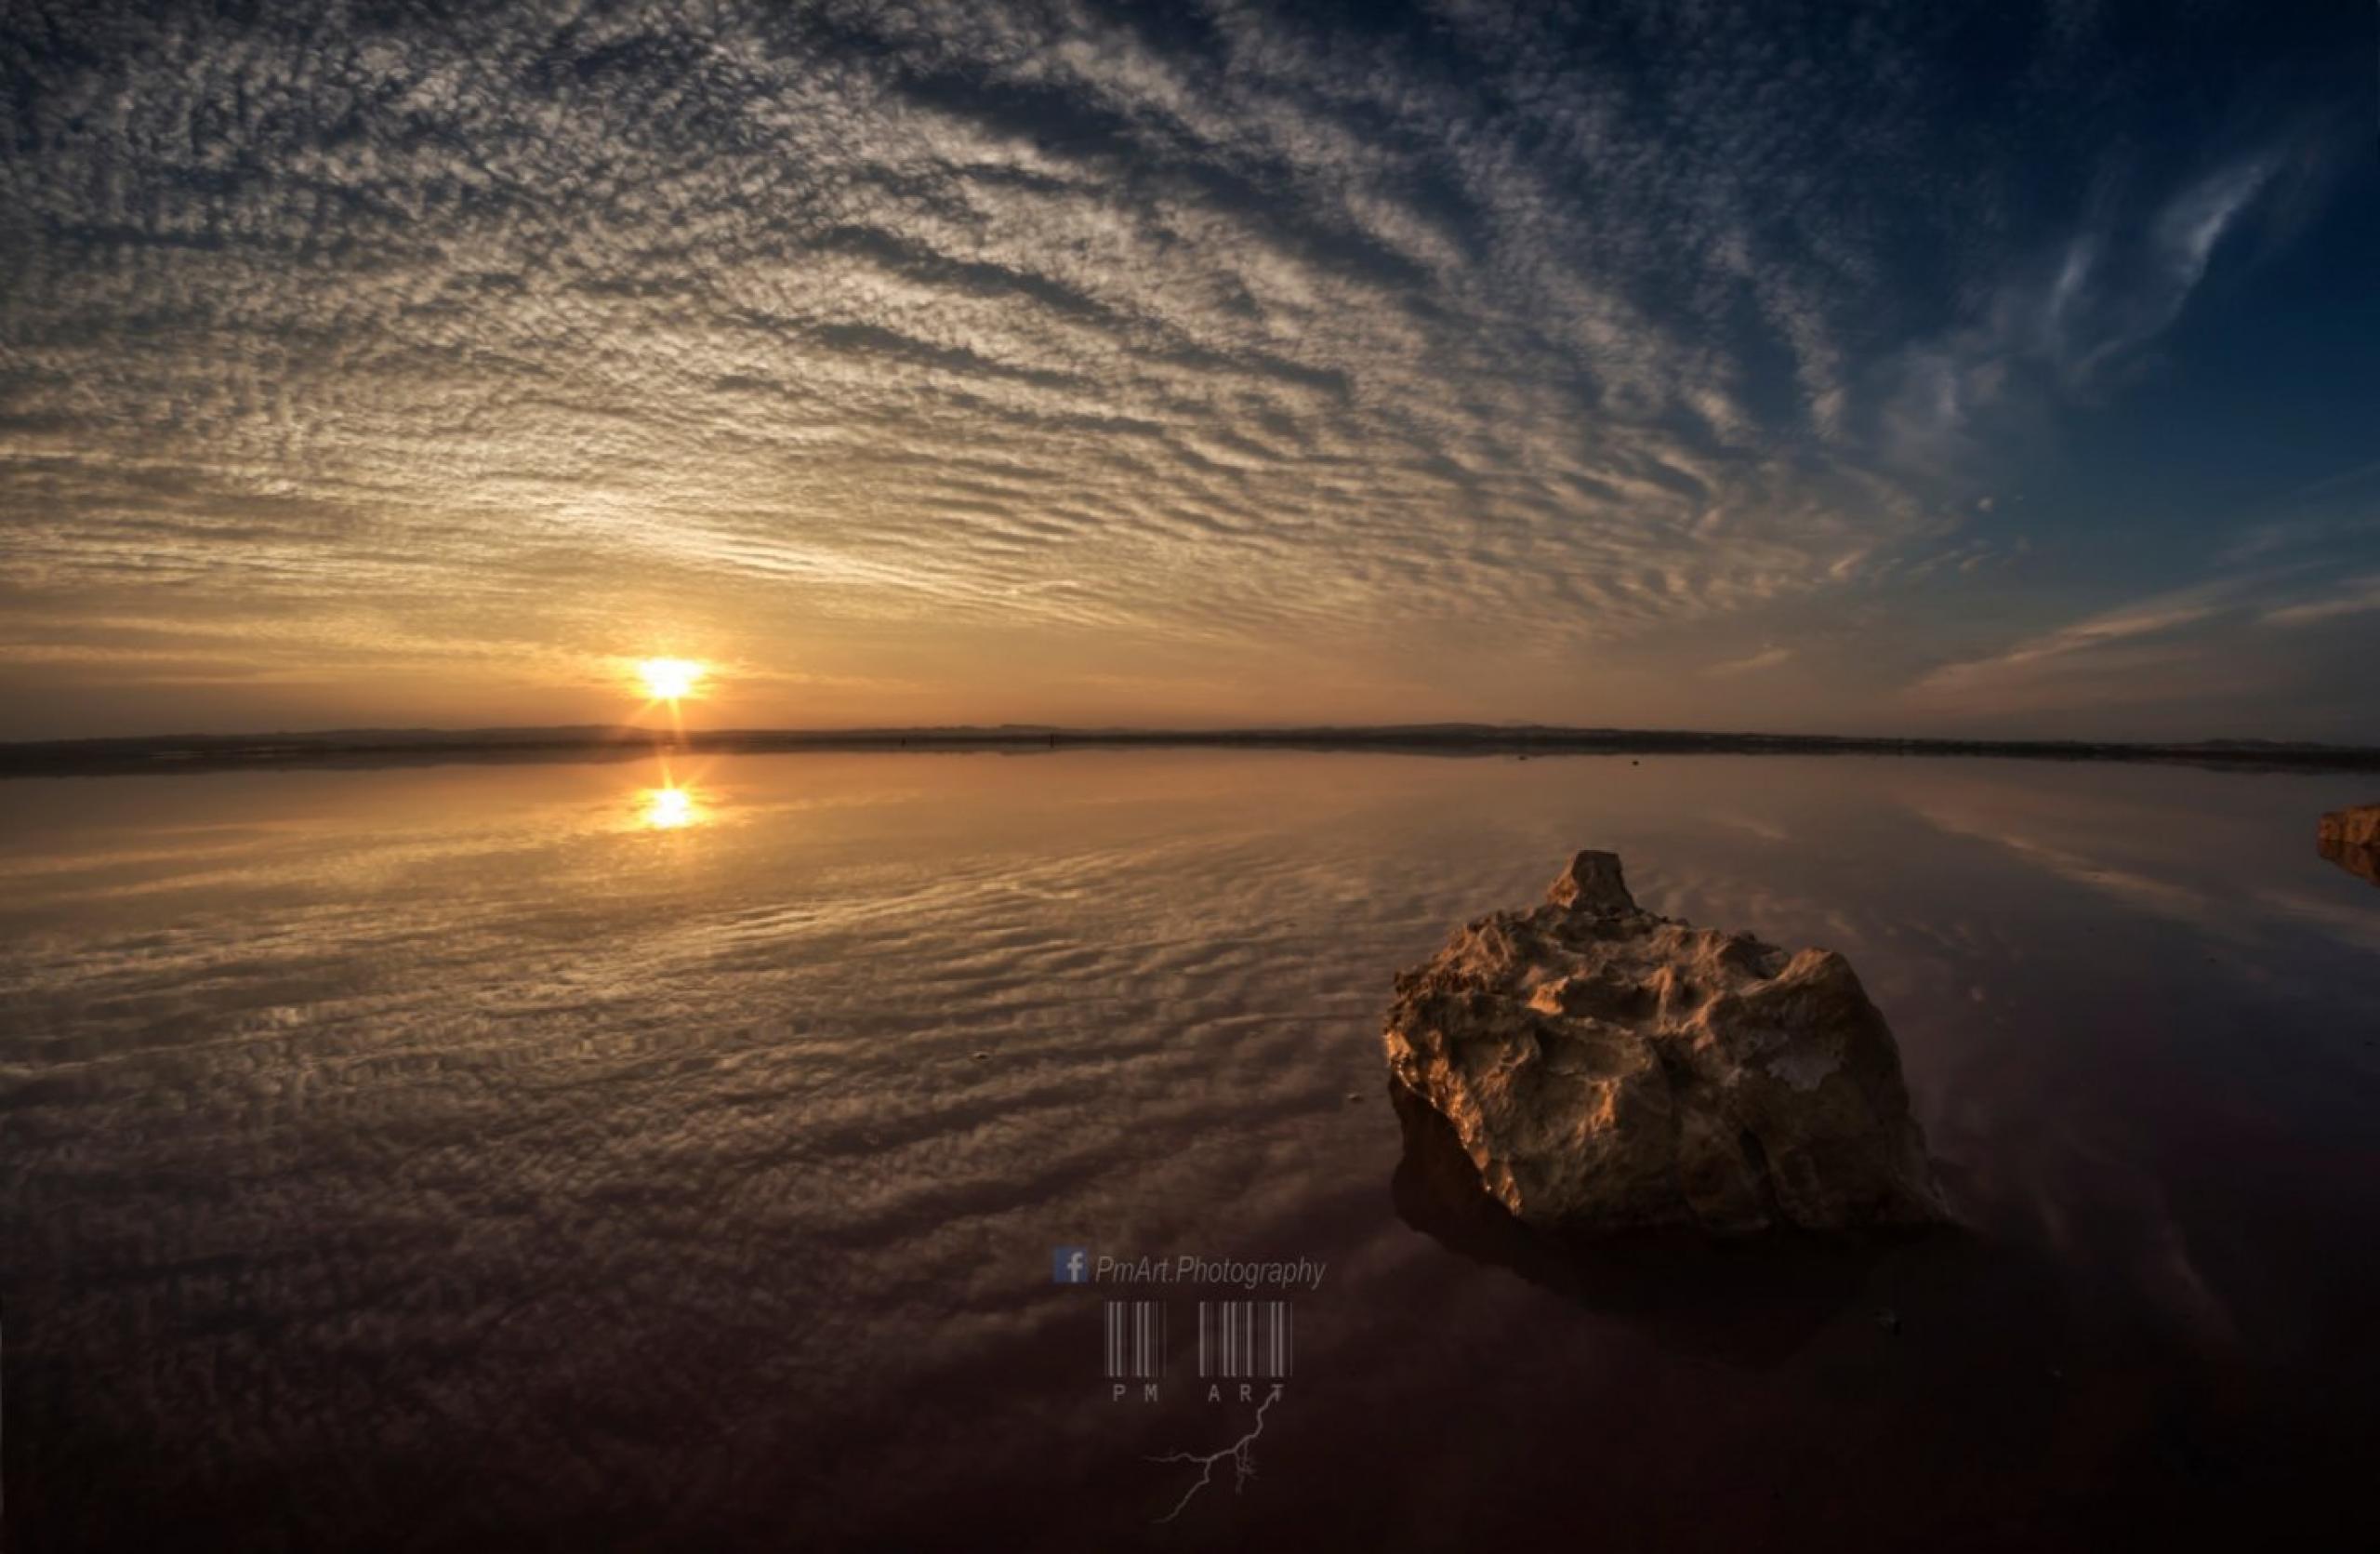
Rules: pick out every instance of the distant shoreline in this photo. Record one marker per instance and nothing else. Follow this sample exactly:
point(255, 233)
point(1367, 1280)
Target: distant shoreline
point(381, 747)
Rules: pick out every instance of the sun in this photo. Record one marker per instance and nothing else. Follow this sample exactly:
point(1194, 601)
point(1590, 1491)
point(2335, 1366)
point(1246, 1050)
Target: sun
point(670, 679)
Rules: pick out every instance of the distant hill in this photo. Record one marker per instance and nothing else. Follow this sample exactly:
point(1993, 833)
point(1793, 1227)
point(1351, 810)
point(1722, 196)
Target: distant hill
point(380, 746)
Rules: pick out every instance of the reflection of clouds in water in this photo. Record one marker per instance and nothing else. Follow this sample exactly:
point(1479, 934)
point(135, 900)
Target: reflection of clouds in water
point(673, 1091)
point(513, 1108)
point(2358, 927)
point(2198, 885)
point(2169, 1020)
point(1766, 830)
point(2134, 889)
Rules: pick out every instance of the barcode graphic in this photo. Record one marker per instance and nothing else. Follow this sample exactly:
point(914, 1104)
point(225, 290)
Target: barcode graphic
point(1136, 1340)
point(1247, 1338)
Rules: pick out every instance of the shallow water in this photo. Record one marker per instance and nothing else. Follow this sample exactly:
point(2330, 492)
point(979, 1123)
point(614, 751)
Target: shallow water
point(513, 1157)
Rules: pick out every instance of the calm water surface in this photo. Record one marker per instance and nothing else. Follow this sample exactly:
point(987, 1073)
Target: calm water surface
point(517, 1157)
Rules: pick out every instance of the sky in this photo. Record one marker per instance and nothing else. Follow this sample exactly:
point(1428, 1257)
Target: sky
point(1896, 368)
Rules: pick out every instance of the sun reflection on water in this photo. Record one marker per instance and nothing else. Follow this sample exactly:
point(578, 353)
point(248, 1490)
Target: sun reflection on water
point(671, 806)
point(670, 809)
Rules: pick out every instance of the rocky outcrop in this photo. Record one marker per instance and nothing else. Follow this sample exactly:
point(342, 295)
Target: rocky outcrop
point(2350, 838)
point(2359, 827)
point(1604, 1068)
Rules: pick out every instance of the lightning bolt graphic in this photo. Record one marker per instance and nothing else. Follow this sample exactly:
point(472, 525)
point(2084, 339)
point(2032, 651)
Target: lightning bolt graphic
point(1243, 1459)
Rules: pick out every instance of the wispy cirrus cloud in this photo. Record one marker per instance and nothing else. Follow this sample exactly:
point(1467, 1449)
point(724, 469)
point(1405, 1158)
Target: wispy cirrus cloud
point(2356, 596)
point(2128, 625)
point(2218, 642)
point(1767, 657)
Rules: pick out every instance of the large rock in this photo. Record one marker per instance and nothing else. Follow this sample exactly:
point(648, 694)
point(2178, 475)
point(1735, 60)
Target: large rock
point(2350, 838)
point(1604, 1068)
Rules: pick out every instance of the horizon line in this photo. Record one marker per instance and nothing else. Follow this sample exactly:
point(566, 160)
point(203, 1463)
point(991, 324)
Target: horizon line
point(191, 751)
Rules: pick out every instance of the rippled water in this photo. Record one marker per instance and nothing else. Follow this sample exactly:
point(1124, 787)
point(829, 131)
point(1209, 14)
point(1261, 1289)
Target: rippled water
point(559, 1156)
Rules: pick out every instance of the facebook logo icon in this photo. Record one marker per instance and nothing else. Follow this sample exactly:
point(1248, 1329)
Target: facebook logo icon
point(1071, 1265)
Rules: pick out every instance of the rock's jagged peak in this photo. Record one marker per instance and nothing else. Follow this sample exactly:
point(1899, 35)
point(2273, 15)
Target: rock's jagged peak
point(1593, 882)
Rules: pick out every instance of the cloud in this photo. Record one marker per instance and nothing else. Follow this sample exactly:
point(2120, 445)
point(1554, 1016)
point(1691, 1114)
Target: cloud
point(2149, 620)
point(1230, 332)
point(2358, 596)
point(2068, 320)
point(2222, 640)
point(2094, 661)
point(1767, 657)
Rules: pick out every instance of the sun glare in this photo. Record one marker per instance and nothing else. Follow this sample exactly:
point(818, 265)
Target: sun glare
point(670, 679)
point(672, 804)
point(670, 809)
